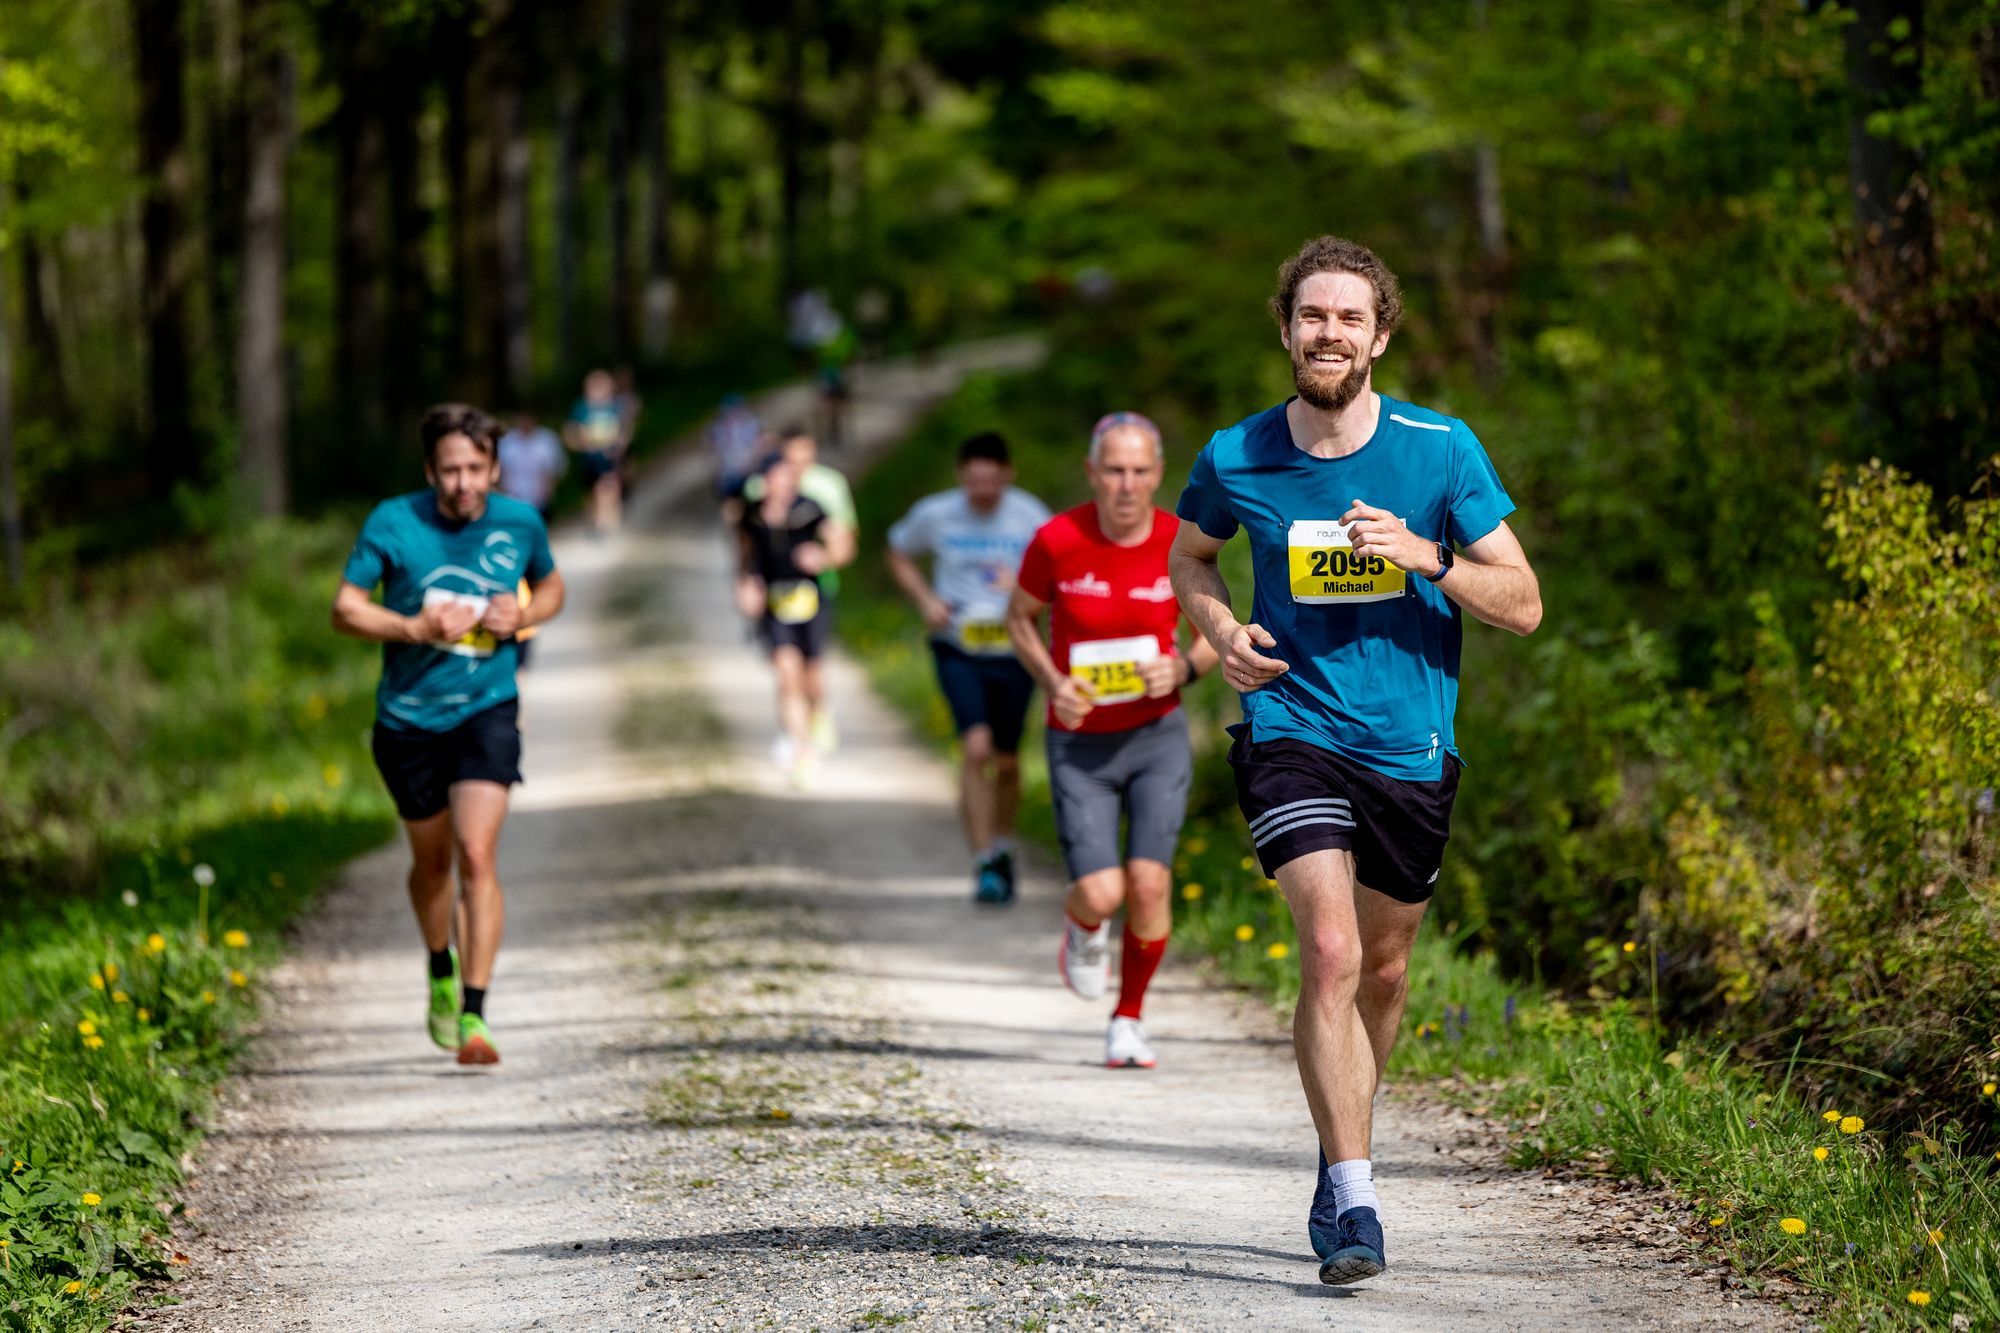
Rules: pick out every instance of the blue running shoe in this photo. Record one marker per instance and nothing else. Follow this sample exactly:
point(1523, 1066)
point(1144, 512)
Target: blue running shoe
point(991, 888)
point(1358, 1251)
point(1322, 1223)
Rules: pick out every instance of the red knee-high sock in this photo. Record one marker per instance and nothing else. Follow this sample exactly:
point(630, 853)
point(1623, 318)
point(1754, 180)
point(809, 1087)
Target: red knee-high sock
point(1137, 961)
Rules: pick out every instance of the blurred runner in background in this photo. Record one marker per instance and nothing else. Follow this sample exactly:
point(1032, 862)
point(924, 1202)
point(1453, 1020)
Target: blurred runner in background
point(1119, 763)
point(787, 542)
point(974, 535)
point(595, 432)
point(827, 488)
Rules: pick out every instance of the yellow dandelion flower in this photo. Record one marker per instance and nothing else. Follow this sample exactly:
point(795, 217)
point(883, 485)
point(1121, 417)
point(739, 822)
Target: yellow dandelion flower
point(1270, 883)
point(145, 1015)
point(156, 943)
point(235, 939)
point(1820, 1154)
point(1937, 1237)
point(1196, 846)
point(1248, 863)
point(96, 981)
point(86, 1027)
point(93, 1043)
point(72, 1287)
point(279, 803)
point(1792, 1226)
point(1631, 945)
point(332, 775)
point(1277, 950)
point(208, 997)
point(1920, 1298)
point(1990, 1088)
point(120, 997)
point(111, 971)
point(1190, 891)
point(236, 978)
point(1718, 1221)
point(19, 1167)
point(1852, 1124)
point(92, 1200)
point(1831, 1117)
point(4, 1242)
point(1246, 933)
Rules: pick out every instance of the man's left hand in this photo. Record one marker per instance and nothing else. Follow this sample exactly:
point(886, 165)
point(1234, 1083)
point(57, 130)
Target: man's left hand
point(1379, 532)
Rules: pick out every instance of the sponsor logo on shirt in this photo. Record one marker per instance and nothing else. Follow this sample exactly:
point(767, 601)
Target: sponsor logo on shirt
point(1161, 591)
point(1088, 586)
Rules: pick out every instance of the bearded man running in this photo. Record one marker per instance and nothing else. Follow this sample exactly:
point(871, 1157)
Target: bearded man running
point(1345, 761)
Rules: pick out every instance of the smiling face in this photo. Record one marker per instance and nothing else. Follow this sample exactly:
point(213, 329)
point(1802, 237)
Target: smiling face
point(461, 473)
point(1332, 339)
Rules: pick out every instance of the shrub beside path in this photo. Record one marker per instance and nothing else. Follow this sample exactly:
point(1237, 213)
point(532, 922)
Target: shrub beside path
point(766, 1066)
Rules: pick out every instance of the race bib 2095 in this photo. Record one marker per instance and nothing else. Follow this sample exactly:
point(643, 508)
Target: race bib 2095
point(1325, 571)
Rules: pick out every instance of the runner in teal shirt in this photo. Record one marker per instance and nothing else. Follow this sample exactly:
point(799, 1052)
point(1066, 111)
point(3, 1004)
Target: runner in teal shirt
point(416, 556)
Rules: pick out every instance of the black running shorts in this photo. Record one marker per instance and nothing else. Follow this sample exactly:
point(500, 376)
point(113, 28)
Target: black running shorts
point(420, 766)
point(1300, 798)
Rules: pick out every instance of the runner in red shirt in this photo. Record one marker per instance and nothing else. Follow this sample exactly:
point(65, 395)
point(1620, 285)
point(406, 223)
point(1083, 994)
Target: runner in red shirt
point(1117, 739)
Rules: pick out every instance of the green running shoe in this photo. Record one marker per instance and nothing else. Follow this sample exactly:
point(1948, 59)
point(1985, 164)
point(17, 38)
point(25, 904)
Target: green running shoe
point(475, 1044)
point(443, 1016)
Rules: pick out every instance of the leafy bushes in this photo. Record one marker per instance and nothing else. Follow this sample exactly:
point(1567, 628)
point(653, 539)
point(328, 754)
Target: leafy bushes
point(185, 760)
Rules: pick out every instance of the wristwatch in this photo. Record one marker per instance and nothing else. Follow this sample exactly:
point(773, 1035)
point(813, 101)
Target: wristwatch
point(1445, 558)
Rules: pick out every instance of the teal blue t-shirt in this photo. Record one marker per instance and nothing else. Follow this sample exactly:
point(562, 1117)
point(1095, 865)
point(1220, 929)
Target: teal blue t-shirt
point(416, 556)
point(1373, 651)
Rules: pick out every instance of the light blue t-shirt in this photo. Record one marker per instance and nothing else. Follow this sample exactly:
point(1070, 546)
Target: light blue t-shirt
point(416, 556)
point(1374, 665)
point(975, 558)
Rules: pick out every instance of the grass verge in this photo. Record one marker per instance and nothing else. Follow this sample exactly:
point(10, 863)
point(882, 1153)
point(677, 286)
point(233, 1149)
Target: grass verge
point(189, 744)
point(1888, 1229)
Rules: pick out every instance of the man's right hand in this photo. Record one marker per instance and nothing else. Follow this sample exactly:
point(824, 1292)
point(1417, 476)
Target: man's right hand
point(937, 614)
point(443, 622)
point(1243, 666)
point(1070, 702)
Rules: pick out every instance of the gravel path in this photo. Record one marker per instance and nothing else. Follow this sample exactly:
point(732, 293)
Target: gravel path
point(765, 1067)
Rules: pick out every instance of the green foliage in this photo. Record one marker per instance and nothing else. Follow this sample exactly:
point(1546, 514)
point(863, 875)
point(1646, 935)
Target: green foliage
point(184, 763)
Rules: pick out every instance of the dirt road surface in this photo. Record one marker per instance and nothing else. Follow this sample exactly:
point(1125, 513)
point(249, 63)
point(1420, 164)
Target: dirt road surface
point(765, 1066)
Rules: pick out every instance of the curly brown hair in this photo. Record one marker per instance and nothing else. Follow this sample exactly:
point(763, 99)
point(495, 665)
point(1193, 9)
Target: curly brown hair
point(1334, 254)
point(458, 419)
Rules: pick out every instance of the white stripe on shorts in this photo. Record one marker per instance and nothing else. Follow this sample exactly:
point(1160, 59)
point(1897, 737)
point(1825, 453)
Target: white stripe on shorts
point(1280, 812)
point(1301, 821)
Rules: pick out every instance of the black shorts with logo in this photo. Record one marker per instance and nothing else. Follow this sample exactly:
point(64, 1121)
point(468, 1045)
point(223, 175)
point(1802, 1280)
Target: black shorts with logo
point(1300, 798)
point(420, 766)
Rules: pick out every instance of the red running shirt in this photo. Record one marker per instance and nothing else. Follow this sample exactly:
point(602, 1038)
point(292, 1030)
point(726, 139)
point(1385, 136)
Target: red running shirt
point(1099, 594)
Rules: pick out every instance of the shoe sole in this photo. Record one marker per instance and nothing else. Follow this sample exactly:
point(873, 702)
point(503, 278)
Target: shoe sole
point(1062, 970)
point(478, 1051)
point(1131, 1064)
point(1350, 1265)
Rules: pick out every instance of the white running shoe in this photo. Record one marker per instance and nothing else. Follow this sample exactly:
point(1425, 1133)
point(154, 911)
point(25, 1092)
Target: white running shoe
point(1085, 958)
point(1125, 1045)
point(825, 735)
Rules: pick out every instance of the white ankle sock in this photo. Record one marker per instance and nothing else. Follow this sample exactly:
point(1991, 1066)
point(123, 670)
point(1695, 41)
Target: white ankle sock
point(1353, 1185)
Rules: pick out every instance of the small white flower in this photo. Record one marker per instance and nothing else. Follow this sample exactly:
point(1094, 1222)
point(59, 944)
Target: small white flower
point(204, 875)
point(130, 898)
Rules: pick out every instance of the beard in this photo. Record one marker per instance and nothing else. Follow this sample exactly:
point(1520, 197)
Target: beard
point(1330, 391)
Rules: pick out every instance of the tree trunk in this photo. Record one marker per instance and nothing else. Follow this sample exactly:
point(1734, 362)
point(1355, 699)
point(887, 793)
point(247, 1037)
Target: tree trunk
point(513, 346)
point(359, 167)
point(568, 207)
point(41, 355)
point(408, 365)
point(1491, 218)
point(791, 152)
point(1895, 243)
point(10, 492)
point(260, 360)
point(171, 456)
point(621, 118)
point(649, 70)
